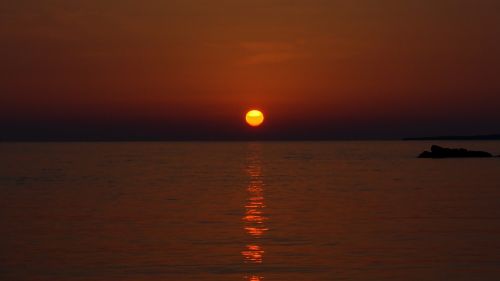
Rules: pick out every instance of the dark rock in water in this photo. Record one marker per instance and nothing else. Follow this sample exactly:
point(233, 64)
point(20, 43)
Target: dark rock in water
point(442, 152)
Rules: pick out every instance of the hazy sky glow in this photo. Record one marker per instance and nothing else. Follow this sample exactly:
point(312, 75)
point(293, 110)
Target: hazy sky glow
point(183, 69)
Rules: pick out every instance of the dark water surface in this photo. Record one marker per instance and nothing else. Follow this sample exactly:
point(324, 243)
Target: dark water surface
point(247, 211)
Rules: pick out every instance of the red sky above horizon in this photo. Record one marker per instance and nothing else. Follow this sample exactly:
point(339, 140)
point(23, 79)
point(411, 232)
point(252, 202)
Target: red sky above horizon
point(346, 68)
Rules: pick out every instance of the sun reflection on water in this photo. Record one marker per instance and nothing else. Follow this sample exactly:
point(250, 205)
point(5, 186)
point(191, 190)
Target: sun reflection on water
point(253, 254)
point(254, 219)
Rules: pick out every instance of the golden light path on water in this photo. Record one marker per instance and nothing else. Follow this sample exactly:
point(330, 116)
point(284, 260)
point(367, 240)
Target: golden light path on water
point(254, 218)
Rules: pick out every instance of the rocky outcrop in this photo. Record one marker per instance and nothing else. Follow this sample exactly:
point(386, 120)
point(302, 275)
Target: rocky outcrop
point(442, 152)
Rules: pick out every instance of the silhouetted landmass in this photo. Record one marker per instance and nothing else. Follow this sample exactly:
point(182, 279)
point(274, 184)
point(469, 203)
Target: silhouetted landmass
point(476, 137)
point(442, 152)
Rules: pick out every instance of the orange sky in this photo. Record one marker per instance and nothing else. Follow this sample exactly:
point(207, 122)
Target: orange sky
point(317, 67)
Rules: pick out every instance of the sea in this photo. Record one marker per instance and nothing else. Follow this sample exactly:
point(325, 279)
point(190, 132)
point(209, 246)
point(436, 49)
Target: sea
point(339, 210)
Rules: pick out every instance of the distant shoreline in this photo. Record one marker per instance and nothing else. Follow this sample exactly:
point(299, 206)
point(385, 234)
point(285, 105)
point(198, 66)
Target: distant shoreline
point(476, 137)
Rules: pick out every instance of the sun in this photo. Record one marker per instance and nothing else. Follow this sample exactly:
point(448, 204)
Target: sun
point(254, 118)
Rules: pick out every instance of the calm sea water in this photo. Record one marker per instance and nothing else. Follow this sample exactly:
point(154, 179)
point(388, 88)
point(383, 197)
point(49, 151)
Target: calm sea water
point(247, 211)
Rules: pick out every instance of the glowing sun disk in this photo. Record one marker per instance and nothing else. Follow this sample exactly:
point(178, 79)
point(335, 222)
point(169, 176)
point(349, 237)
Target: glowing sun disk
point(254, 118)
